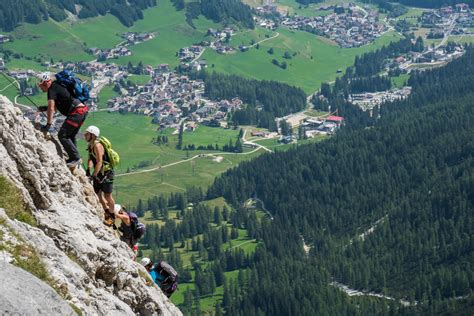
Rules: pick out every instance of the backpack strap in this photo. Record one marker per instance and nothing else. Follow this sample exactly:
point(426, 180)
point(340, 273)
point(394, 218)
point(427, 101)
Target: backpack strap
point(91, 151)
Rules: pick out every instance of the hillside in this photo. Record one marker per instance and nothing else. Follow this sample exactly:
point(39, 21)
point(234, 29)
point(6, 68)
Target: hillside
point(12, 13)
point(51, 226)
point(386, 210)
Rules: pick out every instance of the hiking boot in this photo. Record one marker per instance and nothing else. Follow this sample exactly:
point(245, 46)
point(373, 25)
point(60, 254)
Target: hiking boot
point(109, 219)
point(73, 163)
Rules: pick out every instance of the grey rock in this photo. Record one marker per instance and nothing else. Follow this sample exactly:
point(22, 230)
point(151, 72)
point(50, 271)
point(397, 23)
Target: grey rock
point(80, 253)
point(38, 298)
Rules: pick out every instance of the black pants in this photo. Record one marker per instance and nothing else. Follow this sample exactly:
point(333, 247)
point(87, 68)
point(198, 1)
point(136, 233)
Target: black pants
point(69, 129)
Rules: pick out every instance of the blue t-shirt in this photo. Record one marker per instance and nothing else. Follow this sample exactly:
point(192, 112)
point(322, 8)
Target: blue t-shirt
point(157, 278)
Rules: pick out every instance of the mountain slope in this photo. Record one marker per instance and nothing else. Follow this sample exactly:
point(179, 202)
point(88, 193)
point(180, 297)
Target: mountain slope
point(386, 209)
point(85, 261)
point(14, 12)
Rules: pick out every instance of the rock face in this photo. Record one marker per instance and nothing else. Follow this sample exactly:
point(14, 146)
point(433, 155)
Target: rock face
point(81, 254)
point(36, 299)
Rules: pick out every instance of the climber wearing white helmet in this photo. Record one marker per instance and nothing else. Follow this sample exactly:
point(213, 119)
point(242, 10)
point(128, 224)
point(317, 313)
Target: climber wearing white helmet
point(103, 174)
point(61, 99)
point(163, 274)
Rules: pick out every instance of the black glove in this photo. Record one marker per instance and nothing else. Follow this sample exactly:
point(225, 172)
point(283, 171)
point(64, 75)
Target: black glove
point(42, 108)
point(88, 172)
point(46, 128)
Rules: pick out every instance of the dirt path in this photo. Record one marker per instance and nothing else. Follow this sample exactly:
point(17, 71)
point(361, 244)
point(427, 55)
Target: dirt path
point(185, 160)
point(266, 39)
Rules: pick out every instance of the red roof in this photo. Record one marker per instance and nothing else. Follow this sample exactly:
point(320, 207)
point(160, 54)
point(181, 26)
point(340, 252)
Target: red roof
point(335, 118)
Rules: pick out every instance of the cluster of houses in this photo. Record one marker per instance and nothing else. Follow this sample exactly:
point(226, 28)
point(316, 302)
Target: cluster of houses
point(171, 98)
point(222, 38)
point(121, 50)
point(352, 28)
point(135, 38)
point(367, 101)
point(109, 53)
point(322, 125)
point(187, 54)
point(439, 20)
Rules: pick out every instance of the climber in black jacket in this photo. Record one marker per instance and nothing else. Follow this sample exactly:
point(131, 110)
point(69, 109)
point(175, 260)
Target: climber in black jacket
point(59, 98)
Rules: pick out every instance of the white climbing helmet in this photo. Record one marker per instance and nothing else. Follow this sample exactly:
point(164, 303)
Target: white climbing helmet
point(94, 130)
point(145, 261)
point(117, 208)
point(45, 76)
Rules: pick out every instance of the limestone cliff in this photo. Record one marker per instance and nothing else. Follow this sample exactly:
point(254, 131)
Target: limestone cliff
point(85, 260)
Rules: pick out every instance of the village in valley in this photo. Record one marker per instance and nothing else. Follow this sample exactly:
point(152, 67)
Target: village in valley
point(171, 98)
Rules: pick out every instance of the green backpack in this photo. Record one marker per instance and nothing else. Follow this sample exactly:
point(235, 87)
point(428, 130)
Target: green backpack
point(112, 157)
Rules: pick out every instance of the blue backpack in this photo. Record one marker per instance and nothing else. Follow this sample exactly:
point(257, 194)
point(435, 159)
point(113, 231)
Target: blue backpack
point(78, 88)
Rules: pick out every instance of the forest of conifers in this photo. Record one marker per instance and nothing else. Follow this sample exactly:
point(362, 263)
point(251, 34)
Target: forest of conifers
point(265, 99)
point(14, 12)
point(414, 3)
point(411, 172)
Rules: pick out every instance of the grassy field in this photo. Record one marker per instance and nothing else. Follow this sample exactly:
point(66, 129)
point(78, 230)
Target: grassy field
point(205, 135)
point(399, 82)
point(292, 7)
point(131, 137)
point(139, 79)
point(199, 172)
point(274, 145)
point(7, 89)
point(316, 60)
point(469, 39)
point(49, 40)
point(246, 37)
point(68, 39)
point(412, 14)
point(173, 33)
point(23, 63)
point(105, 94)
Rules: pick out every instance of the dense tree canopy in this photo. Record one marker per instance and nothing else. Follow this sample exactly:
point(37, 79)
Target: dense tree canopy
point(409, 177)
point(14, 12)
point(423, 3)
point(266, 99)
point(227, 11)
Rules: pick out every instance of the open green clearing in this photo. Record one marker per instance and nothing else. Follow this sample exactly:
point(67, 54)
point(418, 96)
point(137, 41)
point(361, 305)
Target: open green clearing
point(68, 39)
point(131, 137)
point(139, 79)
point(316, 60)
point(246, 37)
point(198, 172)
point(274, 145)
point(106, 94)
point(399, 82)
point(7, 89)
point(469, 39)
point(412, 14)
point(23, 63)
point(204, 135)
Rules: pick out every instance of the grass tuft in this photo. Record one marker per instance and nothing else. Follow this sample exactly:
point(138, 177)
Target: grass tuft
point(12, 201)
